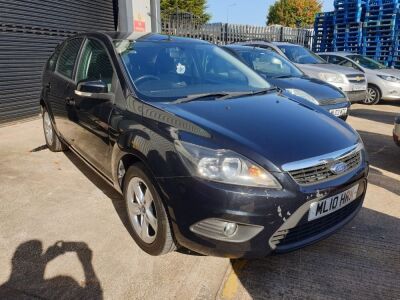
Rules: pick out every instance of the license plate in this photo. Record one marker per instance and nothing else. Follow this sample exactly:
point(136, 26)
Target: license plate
point(329, 205)
point(359, 87)
point(337, 112)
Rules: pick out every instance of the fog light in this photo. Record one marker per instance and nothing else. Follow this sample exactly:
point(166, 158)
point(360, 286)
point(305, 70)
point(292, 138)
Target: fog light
point(224, 230)
point(230, 229)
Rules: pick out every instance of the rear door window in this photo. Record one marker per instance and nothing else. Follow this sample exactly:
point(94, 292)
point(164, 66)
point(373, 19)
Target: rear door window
point(68, 55)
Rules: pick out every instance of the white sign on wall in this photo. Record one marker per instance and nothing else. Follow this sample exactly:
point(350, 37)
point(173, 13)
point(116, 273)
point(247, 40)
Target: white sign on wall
point(141, 16)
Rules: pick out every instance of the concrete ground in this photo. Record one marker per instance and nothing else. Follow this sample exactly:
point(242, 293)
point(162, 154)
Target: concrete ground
point(62, 235)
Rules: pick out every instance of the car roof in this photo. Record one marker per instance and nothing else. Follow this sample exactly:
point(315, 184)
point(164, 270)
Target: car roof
point(243, 47)
point(148, 37)
point(260, 42)
point(286, 43)
point(340, 53)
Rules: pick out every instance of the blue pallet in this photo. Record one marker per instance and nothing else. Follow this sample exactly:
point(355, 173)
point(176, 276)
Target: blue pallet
point(323, 32)
point(348, 18)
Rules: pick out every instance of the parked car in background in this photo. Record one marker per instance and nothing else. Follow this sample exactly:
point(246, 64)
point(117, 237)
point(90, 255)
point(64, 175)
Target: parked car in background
point(396, 131)
point(206, 153)
point(383, 82)
point(349, 80)
point(285, 75)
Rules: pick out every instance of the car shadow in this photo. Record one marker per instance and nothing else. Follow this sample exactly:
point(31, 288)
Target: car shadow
point(383, 153)
point(115, 197)
point(374, 115)
point(361, 261)
point(28, 266)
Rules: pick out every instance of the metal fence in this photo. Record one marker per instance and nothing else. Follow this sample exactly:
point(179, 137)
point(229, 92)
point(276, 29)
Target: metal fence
point(188, 25)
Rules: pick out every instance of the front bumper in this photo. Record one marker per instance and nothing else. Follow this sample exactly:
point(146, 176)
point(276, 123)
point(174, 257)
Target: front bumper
point(191, 200)
point(356, 96)
point(331, 108)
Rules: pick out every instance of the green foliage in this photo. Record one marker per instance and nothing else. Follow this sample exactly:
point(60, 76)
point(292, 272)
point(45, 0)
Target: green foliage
point(195, 7)
point(293, 12)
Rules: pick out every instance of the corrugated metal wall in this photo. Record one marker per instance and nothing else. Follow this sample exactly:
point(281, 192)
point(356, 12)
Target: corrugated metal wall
point(29, 32)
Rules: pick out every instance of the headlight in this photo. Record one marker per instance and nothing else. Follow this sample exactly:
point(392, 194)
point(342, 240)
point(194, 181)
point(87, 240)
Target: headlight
point(303, 95)
point(331, 77)
point(390, 78)
point(224, 166)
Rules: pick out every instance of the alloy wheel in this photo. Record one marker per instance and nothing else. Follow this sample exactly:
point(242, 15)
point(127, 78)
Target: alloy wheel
point(48, 128)
point(141, 210)
point(371, 96)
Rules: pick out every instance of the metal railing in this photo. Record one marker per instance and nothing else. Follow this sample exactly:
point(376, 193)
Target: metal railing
point(188, 25)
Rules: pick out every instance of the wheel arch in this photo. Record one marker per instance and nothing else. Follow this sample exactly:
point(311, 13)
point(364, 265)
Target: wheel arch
point(127, 156)
point(377, 87)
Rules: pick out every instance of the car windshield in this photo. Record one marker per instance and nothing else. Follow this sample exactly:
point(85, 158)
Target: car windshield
point(301, 55)
point(367, 62)
point(268, 63)
point(165, 71)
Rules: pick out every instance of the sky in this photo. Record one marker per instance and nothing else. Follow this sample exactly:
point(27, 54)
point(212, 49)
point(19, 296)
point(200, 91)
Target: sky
point(250, 12)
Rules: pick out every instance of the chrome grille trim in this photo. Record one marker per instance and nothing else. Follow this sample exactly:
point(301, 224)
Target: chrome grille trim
point(353, 78)
point(317, 169)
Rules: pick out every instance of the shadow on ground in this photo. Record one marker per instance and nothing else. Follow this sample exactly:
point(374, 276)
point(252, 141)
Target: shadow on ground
point(101, 184)
point(361, 261)
point(382, 151)
point(375, 114)
point(29, 262)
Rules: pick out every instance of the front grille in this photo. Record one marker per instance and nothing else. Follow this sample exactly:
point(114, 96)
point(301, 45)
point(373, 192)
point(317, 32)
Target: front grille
point(356, 78)
point(322, 171)
point(332, 101)
point(307, 229)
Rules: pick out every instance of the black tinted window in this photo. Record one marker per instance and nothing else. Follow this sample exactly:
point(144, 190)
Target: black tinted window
point(337, 60)
point(68, 57)
point(95, 64)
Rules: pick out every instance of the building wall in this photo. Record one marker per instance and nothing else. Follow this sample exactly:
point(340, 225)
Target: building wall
point(30, 30)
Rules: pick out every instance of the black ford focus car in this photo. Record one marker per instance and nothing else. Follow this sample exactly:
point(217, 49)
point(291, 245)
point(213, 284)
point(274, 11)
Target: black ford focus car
point(207, 154)
point(282, 73)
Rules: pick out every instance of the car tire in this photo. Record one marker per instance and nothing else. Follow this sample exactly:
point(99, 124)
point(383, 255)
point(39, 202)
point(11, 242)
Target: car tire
point(148, 219)
point(373, 95)
point(53, 142)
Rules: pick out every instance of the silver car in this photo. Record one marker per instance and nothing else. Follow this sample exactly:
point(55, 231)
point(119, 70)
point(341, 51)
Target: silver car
point(383, 82)
point(349, 80)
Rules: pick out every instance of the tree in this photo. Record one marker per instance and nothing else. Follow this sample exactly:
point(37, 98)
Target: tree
point(194, 7)
point(293, 13)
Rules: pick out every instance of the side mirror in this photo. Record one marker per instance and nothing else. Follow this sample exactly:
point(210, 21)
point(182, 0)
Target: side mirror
point(93, 89)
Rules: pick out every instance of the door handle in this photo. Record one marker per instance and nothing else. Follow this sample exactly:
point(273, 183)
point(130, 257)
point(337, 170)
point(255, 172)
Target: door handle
point(48, 86)
point(69, 101)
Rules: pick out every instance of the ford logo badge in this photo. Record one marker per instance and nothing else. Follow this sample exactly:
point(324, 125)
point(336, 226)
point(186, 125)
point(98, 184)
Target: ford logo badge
point(338, 168)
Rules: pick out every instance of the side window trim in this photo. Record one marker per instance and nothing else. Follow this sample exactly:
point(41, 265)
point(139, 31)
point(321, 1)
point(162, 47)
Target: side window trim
point(78, 59)
point(58, 59)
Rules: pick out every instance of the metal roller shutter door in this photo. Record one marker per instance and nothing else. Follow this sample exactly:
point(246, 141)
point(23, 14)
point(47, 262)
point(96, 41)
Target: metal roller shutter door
point(29, 32)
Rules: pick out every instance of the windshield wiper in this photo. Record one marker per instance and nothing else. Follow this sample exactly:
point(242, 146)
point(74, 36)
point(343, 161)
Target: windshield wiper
point(200, 97)
point(283, 76)
point(252, 93)
point(222, 95)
